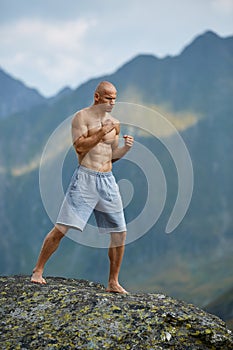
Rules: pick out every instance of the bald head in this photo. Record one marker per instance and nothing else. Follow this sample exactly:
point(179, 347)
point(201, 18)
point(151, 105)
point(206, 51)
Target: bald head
point(105, 86)
point(105, 92)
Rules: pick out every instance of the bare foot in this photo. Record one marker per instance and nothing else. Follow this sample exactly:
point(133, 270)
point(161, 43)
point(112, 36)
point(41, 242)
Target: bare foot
point(115, 288)
point(37, 278)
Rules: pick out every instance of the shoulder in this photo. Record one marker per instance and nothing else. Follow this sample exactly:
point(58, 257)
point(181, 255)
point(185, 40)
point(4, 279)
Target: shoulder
point(79, 118)
point(117, 125)
point(115, 121)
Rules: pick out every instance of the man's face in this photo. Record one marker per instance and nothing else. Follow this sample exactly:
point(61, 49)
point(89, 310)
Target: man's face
point(107, 98)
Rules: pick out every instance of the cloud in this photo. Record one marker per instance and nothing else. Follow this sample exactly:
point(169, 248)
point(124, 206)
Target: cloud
point(46, 36)
point(55, 50)
point(51, 44)
point(224, 6)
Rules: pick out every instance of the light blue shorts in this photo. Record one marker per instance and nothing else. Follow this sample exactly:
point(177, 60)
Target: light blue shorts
point(92, 191)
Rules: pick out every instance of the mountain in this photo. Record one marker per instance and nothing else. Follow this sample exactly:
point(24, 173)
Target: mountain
point(223, 307)
point(78, 314)
point(62, 93)
point(198, 79)
point(16, 96)
point(195, 262)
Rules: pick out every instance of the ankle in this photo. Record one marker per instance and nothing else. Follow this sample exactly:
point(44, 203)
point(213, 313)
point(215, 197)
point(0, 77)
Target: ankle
point(37, 270)
point(113, 281)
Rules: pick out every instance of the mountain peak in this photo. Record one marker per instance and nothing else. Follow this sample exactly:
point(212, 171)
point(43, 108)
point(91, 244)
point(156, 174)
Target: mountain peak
point(15, 96)
point(209, 34)
point(61, 93)
point(137, 61)
point(208, 43)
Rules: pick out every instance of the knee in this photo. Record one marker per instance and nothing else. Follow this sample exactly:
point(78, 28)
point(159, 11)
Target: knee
point(60, 230)
point(118, 239)
point(55, 235)
point(123, 237)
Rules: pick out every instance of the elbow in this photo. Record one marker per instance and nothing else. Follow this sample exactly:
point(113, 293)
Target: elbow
point(78, 148)
point(115, 160)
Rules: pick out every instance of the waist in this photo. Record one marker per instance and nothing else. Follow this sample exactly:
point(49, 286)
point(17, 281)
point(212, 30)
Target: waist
point(90, 171)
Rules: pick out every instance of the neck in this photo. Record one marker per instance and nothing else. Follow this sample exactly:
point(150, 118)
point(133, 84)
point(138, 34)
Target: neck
point(98, 111)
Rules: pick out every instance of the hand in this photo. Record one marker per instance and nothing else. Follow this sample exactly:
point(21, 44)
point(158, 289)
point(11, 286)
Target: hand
point(129, 140)
point(108, 126)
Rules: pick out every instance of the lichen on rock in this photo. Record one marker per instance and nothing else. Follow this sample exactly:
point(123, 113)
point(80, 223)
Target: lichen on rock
point(77, 314)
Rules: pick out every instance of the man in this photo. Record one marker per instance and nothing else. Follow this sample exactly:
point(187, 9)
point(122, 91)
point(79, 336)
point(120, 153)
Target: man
point(93, 188)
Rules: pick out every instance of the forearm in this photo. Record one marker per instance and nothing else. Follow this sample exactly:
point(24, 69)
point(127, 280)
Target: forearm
point(85, 144)
point(119, 152)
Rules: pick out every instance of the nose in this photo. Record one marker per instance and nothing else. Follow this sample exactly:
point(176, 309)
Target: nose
point(112, 102)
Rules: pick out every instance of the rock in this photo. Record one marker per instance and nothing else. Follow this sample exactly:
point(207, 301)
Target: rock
point(77, 314)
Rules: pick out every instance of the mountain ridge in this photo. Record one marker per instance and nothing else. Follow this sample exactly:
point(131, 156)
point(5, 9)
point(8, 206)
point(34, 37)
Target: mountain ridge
point(15, 96)
point(209, 37)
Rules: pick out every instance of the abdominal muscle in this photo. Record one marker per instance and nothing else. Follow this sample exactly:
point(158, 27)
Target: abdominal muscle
point(99, 158)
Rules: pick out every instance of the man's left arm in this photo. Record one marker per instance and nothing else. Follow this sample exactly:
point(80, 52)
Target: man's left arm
point(119, 152)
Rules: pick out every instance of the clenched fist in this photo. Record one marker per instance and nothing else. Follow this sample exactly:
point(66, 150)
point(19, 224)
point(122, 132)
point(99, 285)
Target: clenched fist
point(129, 140)
point(108, 126)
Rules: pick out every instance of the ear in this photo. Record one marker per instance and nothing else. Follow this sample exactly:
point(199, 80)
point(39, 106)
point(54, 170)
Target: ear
point(97, 97)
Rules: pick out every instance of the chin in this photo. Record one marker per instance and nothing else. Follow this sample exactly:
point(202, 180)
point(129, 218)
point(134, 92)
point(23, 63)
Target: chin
point(109, 109)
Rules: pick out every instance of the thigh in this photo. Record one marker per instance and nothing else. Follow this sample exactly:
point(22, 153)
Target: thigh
point(108, 222)
point(82, 192)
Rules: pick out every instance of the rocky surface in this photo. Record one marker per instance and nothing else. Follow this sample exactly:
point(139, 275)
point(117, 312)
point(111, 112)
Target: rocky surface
point(77, 314)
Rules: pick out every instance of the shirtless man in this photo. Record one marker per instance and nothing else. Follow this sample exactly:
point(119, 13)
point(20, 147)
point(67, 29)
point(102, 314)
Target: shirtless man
point(95, 136)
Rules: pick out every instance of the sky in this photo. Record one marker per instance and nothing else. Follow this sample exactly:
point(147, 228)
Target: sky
point(51, 44)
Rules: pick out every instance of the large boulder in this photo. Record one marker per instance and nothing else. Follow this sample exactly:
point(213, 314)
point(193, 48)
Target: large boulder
point(77, 314)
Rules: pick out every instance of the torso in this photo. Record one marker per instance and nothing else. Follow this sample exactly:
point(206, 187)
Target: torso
point(99, 158)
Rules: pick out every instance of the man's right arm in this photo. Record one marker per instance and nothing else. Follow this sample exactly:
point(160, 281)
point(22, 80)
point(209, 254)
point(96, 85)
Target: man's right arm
point(81, 141)
point(85, 144)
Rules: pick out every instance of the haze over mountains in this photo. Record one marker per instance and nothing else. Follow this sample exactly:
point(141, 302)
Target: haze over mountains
point(194, 90)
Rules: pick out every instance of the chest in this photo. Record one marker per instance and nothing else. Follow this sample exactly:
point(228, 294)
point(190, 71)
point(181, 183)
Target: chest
point(94, 127)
